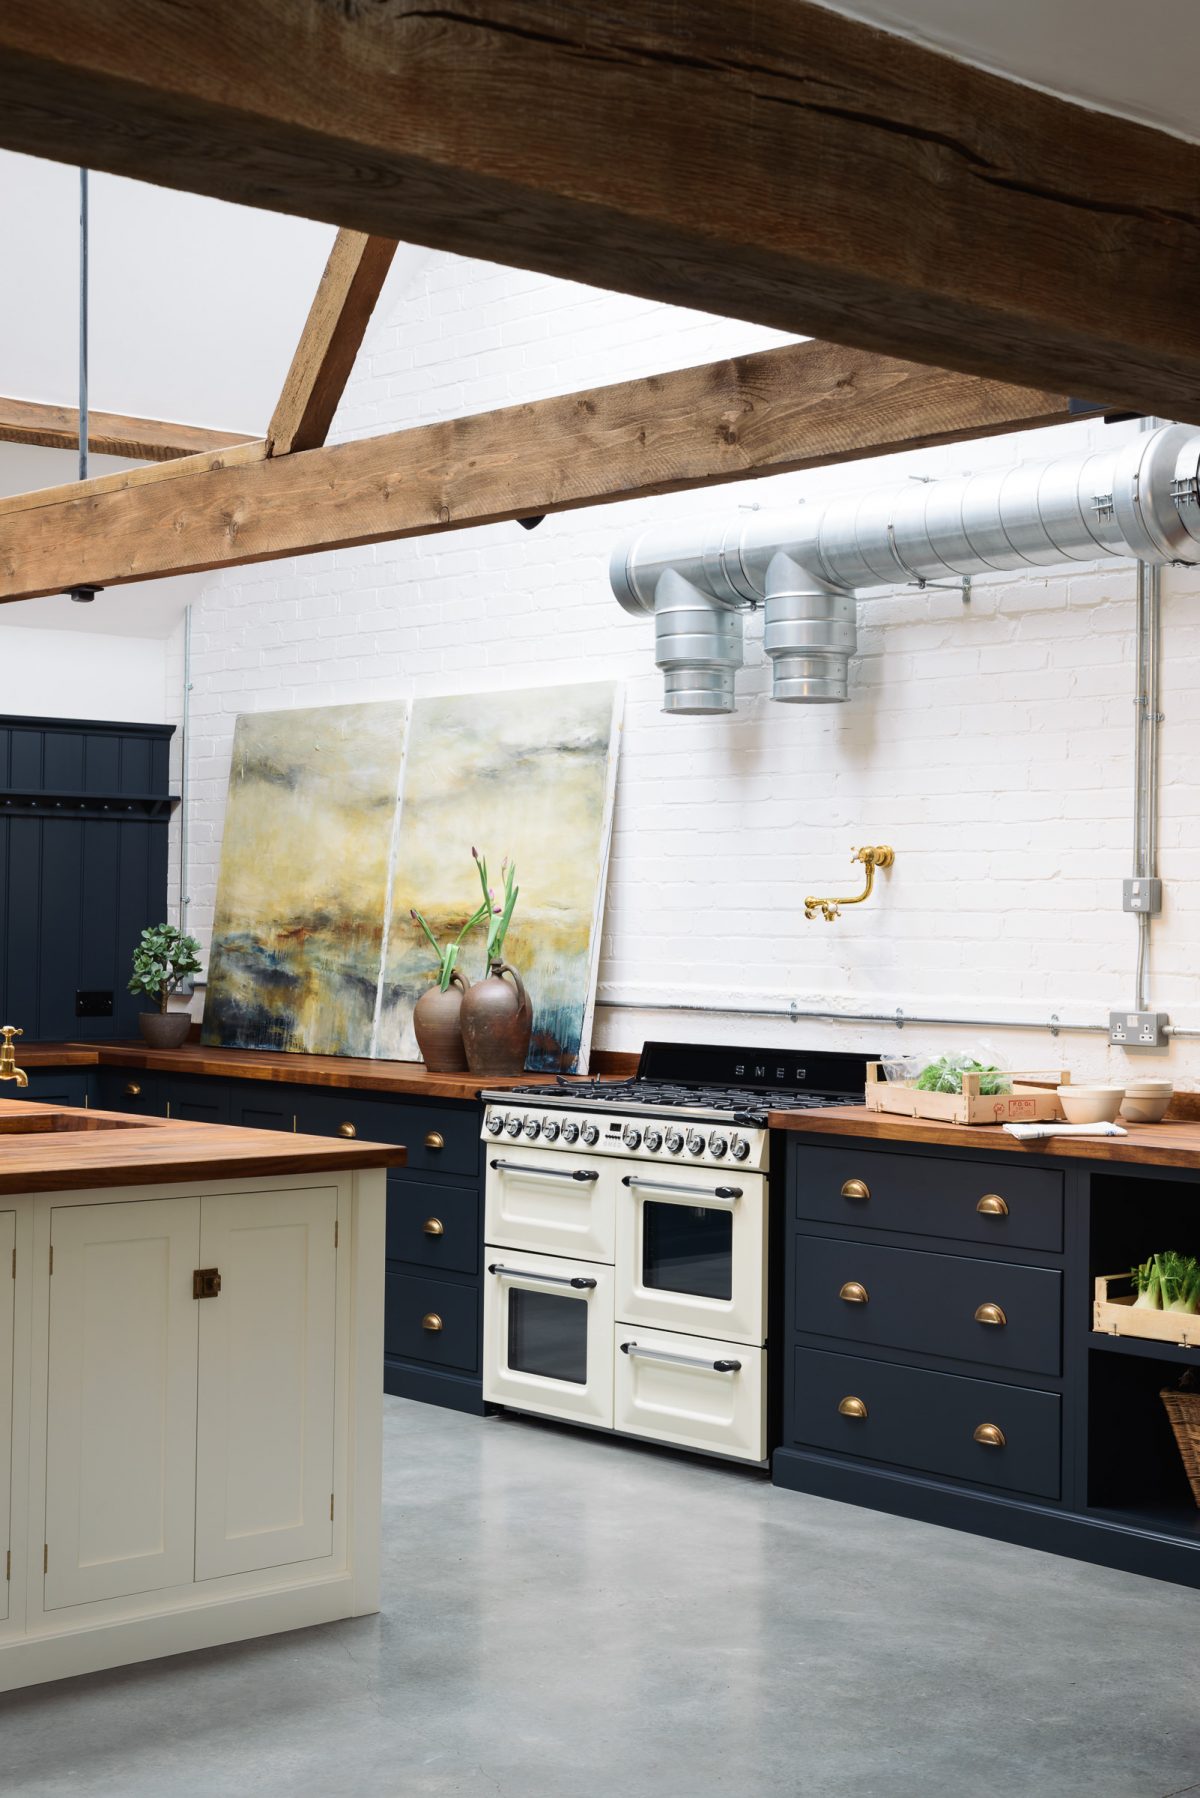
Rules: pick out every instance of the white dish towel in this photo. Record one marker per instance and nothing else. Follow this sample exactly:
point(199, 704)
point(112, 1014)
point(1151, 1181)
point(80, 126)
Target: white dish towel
point(1031, 1132)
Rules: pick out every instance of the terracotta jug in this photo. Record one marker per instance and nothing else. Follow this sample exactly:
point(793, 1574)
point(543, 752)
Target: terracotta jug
point(437, 1026)
point(497, 1023)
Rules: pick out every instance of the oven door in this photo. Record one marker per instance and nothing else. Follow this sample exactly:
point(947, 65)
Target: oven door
point(550, 1201)
point(693, 1391)
point(547, 1336)
point(691, 1251)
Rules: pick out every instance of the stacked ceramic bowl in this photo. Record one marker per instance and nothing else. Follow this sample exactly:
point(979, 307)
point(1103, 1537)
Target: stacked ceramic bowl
point(1091, 1104)
point(1146, 1101)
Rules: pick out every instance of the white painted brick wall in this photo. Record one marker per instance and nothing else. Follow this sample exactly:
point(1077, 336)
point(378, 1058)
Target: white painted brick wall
point(991, 744)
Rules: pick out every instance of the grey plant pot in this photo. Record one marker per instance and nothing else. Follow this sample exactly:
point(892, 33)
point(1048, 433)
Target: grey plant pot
point(165, 1029)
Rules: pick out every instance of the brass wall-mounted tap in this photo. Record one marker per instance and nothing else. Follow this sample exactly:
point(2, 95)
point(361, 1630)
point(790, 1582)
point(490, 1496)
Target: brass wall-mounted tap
point(873, 856)
point(8, 1057)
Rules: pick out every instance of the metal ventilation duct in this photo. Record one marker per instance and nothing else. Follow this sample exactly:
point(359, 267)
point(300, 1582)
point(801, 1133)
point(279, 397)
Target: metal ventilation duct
point(807, 565)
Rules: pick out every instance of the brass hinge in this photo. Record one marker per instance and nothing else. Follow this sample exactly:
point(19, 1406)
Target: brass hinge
point(168, 1107)
point(335, 1234)
point(206, 1283)
point(51, 1257)
point(45, 1557)
point(331, 1507)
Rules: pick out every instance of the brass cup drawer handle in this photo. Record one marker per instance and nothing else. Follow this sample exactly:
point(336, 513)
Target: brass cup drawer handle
point(431, 1321)
point(855, 1189)
point(433, 1226)
point(991, 1205)
point(990, 1435)
point(852, 1407)
point(347, 1130)
point(990, 1314)
point(133, 1090)
point(853, 1292)
point(434, 1139)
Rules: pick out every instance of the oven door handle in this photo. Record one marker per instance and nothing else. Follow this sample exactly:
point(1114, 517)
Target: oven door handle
point(651, 1354)
point(729, 1193)
point(547, 1173)
point(522, 1273)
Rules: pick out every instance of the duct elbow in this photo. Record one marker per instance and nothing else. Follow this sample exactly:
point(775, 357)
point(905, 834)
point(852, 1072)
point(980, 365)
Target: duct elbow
point(810, 632)
point(698, 646)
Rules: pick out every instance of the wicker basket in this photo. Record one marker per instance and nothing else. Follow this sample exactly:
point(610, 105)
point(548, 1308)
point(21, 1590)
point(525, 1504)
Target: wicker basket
point(1183, 1409)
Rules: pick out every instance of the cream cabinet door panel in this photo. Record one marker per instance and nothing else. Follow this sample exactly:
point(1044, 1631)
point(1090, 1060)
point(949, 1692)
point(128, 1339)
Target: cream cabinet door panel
point(266, 1393)
point(121, 1435)
point(8, 1241)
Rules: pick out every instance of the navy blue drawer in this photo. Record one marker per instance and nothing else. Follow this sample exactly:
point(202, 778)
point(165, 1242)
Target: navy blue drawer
point(927, 1422)
point(989, 1202)
point(928, 1303)
point(433, 1224)
point(50, 1086)
point(439, 1138)
point(432, 1321)
point(131, 1089)
point(197, 1099)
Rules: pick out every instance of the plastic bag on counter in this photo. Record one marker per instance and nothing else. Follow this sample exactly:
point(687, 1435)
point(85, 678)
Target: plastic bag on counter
point(945, 1073)
point(902, 1070)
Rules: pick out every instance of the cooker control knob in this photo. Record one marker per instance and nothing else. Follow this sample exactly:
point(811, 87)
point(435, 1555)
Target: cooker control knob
point(532, 1128)
point(513, 1126)
point(590, 1134)
point(550, 1130)
point(495, 1123)
point(739, 1148)
point(631, 1136)
point(695, 1142)
point(674, 1141)
point(653, 1139)
point(570, 1131)
point(717, 1144)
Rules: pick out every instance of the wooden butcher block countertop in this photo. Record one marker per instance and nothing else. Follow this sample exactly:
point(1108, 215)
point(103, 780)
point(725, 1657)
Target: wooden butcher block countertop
point(51, 1148)
point(411, 1078)
point(1173, 1143)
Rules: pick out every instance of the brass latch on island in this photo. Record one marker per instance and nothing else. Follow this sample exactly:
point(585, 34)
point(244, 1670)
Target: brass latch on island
point(206, 1283)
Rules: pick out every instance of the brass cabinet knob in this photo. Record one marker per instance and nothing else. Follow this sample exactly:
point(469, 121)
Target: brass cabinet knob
point(431, 1321)
point(852, 1407)
point(990, 1435)
point(347, 1129)
point(433, 1226)
point(853, 1293)
point(992, 1205)
point(133, 1090)
point(989, 1314)
point(855, 1189)
point(434, 1139)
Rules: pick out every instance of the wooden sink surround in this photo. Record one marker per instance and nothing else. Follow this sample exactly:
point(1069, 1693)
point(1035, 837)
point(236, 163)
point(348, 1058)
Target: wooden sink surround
point(48, 1148)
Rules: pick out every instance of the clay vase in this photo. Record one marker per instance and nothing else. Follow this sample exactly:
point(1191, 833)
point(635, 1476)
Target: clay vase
point(438, 1029)
point(165, 1029)
point(497, 1023)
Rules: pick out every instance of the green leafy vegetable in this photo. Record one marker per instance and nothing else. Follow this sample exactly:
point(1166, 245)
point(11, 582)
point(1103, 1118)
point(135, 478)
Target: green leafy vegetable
point(946, 1076)
point(1167, 1282)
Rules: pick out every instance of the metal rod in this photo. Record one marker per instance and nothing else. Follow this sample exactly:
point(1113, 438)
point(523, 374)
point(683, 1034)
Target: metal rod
point(547, 1173)
point(647, 1354)
point(523, 1273)
point(83, 324)
point(694, 1192)
point(899, 1019)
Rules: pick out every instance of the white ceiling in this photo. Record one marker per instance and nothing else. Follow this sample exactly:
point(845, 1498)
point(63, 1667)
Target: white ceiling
point(1138, 61)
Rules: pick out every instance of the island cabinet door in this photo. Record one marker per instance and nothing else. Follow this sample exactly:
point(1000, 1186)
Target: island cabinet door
point(8, 1241)
point(264, 1473)
point(121, 1410)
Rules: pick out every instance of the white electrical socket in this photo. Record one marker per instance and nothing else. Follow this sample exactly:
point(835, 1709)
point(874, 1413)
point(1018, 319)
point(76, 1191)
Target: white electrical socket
point(1138, 1029)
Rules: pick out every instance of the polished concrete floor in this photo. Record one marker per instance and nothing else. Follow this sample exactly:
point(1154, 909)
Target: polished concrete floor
point(573, 1617)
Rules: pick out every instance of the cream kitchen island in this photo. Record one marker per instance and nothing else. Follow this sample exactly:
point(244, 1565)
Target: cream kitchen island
point(190, 1402)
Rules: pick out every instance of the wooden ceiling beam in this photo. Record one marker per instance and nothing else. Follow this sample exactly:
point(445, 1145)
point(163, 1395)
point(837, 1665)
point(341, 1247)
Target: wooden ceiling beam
point(109, 433)
point(789, 408)
point(764, 159)
point(332, 335)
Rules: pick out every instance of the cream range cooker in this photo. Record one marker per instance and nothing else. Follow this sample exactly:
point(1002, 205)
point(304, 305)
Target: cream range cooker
point(628, 1232)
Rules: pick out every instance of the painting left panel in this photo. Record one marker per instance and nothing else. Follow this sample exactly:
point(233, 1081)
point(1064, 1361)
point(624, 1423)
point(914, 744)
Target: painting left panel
point(298, 935)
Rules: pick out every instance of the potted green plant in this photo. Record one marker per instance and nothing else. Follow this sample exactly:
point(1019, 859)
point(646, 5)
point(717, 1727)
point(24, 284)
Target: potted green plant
point(436, 1014)
point(163, 960)
point(497, 1019)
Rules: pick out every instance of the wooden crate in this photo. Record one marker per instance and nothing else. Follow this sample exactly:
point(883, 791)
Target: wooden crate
point(1113, 1315)
point(1027, 1103)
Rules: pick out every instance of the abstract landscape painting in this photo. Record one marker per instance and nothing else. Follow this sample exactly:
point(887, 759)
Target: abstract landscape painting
point(299, 926)
point(530, 776)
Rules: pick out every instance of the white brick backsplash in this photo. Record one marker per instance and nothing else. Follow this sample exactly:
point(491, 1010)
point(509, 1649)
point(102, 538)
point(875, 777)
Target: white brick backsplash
point(991, 743)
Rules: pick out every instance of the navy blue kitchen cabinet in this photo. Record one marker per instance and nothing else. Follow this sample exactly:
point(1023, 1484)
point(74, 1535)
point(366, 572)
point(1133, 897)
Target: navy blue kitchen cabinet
point(84, 810)
point(939, 1360)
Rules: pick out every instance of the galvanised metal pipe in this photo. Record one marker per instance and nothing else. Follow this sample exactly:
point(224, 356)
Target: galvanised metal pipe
point(806, 565)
